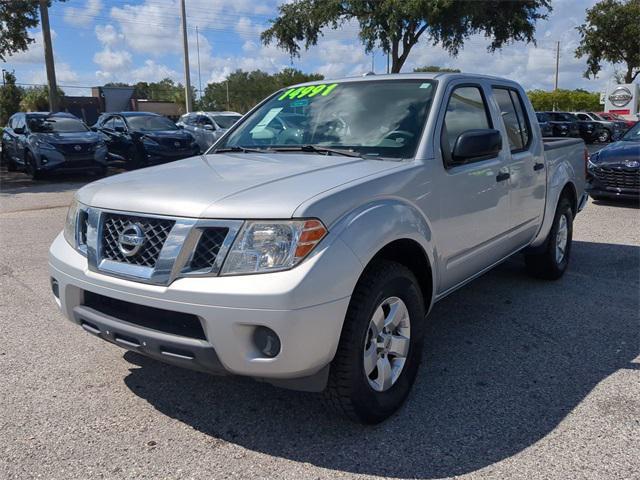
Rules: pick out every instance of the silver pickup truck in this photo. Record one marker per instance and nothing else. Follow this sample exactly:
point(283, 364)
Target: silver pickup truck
point(307, 246)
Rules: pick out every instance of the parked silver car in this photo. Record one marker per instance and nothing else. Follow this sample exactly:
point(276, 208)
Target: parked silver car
point(207, 127)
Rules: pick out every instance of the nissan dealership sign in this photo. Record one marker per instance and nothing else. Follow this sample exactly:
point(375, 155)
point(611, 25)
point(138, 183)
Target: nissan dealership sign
point(622, 99)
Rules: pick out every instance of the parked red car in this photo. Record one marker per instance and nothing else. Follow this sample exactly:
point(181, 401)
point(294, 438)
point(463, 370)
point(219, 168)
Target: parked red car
point(612, 117)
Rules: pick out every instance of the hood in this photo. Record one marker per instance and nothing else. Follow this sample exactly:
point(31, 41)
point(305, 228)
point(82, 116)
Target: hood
point(617, 153)
point(64, 138)
point(252, 185)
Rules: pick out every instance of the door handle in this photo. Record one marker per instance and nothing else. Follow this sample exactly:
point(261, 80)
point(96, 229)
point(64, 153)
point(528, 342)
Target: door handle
point(538, 166)
point(501, 177)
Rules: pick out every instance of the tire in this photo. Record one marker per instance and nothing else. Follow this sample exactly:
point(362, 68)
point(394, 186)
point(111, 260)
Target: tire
point(551, 264)
point(6, 160)
point(605, 136)
point(384, 287)
point(134, 159)
point(30, 167)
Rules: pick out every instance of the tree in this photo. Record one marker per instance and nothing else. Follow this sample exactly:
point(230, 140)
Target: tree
point(569, 100)
point(10, 96)
point(246, 89)
point(36, 99)
point(396, 26)
point(435, 69)
point(16, 18)
point(611, 34)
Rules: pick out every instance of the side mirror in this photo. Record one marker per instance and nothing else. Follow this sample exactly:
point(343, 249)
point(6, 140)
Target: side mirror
point(477, 143)
point(208, 127)
point(180, 126)
point(18, 130)
point(120, 129)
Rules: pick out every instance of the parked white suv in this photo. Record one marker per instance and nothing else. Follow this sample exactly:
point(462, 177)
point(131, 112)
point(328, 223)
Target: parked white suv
point(313, 265)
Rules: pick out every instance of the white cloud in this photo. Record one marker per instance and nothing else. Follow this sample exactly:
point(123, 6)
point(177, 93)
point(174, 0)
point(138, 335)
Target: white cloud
point(107, 35)
point(35, 52)
point(83, 16)
point(112, 61)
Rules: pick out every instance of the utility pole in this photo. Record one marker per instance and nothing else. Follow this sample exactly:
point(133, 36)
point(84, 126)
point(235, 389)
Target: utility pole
point(555, 88)
point(48, 57)
point(557, 64)
point(198, 52)
point(185, 44)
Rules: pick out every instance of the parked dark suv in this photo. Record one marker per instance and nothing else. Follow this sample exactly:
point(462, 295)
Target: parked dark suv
point(561, 127)
point(137, 139)
point(40, 142)
point(587, 130)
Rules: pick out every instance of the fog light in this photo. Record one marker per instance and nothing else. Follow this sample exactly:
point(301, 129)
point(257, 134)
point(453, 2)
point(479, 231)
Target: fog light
point(55, 288)
point(267, 341)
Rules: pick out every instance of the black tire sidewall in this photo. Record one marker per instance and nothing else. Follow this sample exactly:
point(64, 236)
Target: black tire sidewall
point(373, 406)
point(564, 208)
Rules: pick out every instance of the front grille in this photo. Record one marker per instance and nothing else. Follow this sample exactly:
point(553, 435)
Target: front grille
point(208, 247)
point(167, 321)
point(618, 177)
point(156, 231)
point(70, 148)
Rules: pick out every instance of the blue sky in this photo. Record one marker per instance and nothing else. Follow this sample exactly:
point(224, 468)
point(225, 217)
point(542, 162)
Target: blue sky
point(97, 41)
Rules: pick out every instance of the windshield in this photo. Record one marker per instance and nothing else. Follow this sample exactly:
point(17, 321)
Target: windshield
point(225, 121)
point(633, 134)
point(150, 123)
point(42, 124)
point(374, 118)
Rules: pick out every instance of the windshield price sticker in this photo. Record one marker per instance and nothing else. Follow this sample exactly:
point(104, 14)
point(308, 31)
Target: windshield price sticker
point(310, 91)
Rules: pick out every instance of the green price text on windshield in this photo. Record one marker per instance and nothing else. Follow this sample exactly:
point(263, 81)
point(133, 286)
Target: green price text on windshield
point(310, 91)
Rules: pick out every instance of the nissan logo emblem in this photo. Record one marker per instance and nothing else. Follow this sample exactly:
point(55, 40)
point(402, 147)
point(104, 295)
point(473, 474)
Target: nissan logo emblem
point(620, 96)
point(77, 148)
point(632, 163)
point(131, 240)
point(176, 144)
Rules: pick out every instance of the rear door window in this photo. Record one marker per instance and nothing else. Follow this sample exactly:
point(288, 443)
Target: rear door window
point(515, 122)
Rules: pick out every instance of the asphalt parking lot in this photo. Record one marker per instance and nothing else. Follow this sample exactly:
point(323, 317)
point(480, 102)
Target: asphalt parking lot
point(521, 379)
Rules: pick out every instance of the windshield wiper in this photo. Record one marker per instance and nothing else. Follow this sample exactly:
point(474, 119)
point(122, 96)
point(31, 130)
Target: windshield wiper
point(239, 150)
point(318, 149)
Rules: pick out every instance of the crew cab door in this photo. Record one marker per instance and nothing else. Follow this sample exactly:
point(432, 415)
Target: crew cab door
point(473, 225)
point(527, 168)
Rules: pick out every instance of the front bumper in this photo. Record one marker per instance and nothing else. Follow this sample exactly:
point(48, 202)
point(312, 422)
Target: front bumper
point(305, 306)
point(53, 160)
point(160, 155)
point(598, 188)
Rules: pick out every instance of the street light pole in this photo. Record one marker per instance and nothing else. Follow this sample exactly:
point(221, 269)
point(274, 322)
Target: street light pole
point(54, 105)
point(187, 77)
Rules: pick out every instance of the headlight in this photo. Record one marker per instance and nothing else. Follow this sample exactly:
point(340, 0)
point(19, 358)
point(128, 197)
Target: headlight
point(44, 145)
point(272, 246)
point(71, 224)
point(75, 226)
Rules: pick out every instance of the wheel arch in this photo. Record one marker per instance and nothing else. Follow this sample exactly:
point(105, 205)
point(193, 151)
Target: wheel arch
point(393, 229)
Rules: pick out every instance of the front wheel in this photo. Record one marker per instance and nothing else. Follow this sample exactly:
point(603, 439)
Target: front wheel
point(380, 346)
point(553, 261)
point(31, 167)
point(604, 136)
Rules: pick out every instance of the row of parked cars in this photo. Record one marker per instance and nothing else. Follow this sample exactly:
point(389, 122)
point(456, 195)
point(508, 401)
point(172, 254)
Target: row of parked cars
point(42, 142)
point(590, 126)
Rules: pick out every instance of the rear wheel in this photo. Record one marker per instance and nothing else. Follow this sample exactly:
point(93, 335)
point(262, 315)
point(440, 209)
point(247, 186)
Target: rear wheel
point(380, 346)
point(553, 261)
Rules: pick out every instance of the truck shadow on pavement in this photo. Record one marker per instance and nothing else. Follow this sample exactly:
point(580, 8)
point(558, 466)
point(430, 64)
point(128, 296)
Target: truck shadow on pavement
point(506, 359)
